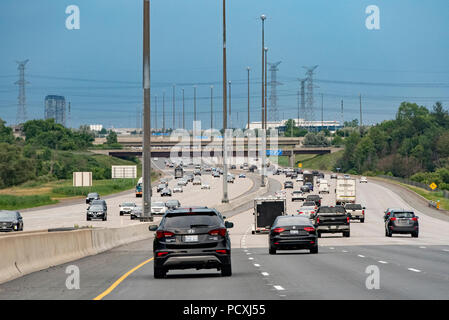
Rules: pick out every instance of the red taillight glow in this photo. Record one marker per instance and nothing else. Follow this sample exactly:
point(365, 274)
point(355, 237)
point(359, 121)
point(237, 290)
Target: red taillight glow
point(347, 219)
point(162, 234)
point(221, 251)
point(414, 219)
point(318, 220)
point(312, 211)
point(278, 230)
point(363, 212)
point(159, 254)
point(301, 212)
point(393, 219)
point(309, 229)
point(216, 232)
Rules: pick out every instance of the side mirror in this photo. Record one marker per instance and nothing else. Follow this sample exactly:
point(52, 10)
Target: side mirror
point(229, 225)
point(363, 208)
point(153, 227)
point(224, 217)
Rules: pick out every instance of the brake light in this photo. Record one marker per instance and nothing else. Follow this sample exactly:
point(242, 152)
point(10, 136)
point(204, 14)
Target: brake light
point(221, 251)
point(162, 234)
point(300, 212)
point(318, 220)
point(363, 212)
point(393, 219)
point(312, 211)
point(347, 219)
point(216, 232)
point(159, 254)
point(278, 230)
point(414, 219)
point(309, 229)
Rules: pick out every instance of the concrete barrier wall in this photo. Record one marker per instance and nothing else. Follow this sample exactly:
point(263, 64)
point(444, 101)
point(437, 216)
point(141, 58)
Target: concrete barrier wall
point(21, 254)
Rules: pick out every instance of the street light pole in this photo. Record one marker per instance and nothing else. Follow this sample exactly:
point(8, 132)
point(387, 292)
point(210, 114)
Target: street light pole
point(173, 116)
point(183, 111)
point(265, 90)
point(211, 106)
point(194, 103)
point(230, 113)
point(147, 115)
point(248, 69)
point(262, 183)
point(225, 122)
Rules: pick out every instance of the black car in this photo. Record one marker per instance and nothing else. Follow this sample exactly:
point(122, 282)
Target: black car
point(192, 238)
point(315, 172)
point(402, 222)
point(315, 198)
point(99, 202)
point(294, 175)
point(92, 196)
point(252, 168)
point(288, 184)
point(332, 220)
point(10, 221)
point(305, 188)
point(97, 211)
point(292, 233)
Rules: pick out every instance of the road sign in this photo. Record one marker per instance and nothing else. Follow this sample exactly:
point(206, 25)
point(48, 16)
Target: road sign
point(299, 165)
point(433, 186)
point(274, 152)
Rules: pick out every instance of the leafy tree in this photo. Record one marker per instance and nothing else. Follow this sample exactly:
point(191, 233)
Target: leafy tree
point(5, 133)
point(112, 137)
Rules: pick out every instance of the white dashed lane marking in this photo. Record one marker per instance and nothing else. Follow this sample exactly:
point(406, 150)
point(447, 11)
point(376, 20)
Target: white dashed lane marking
point(414, 270)
point(265, 274)
point(361, 255)
point(383, 262)
point(278, 288)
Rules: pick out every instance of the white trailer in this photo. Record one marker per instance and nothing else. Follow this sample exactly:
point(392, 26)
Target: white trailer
point(345, 191)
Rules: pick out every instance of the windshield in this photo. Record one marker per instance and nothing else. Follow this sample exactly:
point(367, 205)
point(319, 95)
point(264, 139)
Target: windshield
point(96, 208)
point(129, 204)
point(7, 215)
point(308, 204)
point(291, 221)
point(158, 204)
point(337, 209)
point(92, 195)
point(172, 203)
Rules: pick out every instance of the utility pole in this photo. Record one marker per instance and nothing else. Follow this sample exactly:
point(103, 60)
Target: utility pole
point(273, 91)
point(183, 111)
point(225, 104)
point(211, 106)
point(248, 69)
point(265, 89)
point(147, 115)
point(194, 103)
point(21, 106)
point(360, 96)
point(230, 113)
point(262, 182)
point(342, 115)
point(173, 116)
point(310, 86)
point(163, 112)
point(297, 101)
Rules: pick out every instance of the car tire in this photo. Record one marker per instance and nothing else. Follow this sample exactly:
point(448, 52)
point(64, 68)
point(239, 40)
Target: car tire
point(389, 233)
point(88, 219)
point(159, 272)
point(272, 250)
point(121, 213)
point(362, 220)
point(226, 270)
point(314, 249)
point(347, 234)
point(319, 234)
point(415, 234)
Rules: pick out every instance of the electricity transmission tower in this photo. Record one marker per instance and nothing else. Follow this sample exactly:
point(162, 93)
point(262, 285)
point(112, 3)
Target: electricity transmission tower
point(310, 86)
point(21, 106)
point(303, 99)
point(273, 94)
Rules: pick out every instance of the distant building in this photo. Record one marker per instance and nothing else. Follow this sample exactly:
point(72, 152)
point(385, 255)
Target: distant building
point(55, 109)
point(96, 127)
point(330, 125)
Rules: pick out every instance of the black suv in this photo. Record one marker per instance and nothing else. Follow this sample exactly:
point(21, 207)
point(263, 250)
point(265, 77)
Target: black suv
point(315, 198)
point(10, 221)
point(402, 222)
point(292, 233)
point(92, 196)
point(192, 238)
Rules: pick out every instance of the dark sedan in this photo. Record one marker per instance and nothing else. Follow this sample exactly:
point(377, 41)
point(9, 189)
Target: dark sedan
point(293, 233)
point(10, 221)
point(97, 211)
point(92, 196)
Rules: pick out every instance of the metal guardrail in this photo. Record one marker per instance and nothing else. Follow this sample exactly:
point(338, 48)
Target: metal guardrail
point(416, 184)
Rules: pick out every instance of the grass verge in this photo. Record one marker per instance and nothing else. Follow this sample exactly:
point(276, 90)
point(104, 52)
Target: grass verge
point(11, 202)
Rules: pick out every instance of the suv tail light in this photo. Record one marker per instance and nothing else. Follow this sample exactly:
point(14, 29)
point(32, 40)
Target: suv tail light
point(159, 254)
point(318, 220)
point(278, 230)
point(309, 229)
point(222, 251)
point(216, 232)
point(393, 219)
point(347, 219)
point(162, 234)
point(414, 219)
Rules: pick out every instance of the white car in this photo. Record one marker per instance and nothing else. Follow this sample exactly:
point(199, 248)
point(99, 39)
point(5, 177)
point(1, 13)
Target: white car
point(299, 178)
point(158, 208)
point(196, 181)
point(205, 186)
point(363, 179)
point(126, 208)
point(177, 189)
point(182, 182)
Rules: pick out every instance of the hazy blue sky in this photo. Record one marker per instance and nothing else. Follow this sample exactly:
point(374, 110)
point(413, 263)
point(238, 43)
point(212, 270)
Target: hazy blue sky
point(98, 68)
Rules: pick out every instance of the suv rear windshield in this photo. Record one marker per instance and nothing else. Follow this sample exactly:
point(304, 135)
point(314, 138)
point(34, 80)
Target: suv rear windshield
point(353, 206)
point(313, 196)
point(404, 214)
point(191, 219)
point(337, 209)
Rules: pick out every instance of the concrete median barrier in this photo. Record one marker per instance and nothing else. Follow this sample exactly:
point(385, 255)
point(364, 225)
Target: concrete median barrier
point(22, 254)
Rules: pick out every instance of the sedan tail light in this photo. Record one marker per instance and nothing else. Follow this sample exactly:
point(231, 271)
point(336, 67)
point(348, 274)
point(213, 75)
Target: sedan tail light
point(347, 219)
point(159, 254)
point(318, 220)
point(309, 229)
point(162, 234)
point(216, 232)
point(393, 219)
point(222, 251)
point(278, 230)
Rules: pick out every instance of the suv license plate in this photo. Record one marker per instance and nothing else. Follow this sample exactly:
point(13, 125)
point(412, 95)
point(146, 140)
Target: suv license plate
point(191, 238)
point(294, 231)
point(333, 227)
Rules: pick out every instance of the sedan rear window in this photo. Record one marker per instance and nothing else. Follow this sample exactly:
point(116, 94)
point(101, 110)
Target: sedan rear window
point(292, 221)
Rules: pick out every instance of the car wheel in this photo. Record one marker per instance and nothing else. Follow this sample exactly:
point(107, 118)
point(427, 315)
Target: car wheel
point(272, 250)
point(121, 213)
point(159, 272)
point(414, 234)
point(362, 220)
point(389, 233)
point(319, 234)
point(88, 219)
point(226, 270)
point(105, 218)
point(314, 249)
point(346, 234)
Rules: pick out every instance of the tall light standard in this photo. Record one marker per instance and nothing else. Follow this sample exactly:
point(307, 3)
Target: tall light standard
point(173, 116)
point(262, 183)
point(183, 111)
point(163, 112)
point(211, 106)
point(265, 90)
point(225, 122)
point(248, 69)
point(194, 103)
point(230, 112)
point(147, 115)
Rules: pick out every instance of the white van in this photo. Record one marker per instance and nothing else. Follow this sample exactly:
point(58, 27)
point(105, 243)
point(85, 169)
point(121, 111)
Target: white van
point(324, 186)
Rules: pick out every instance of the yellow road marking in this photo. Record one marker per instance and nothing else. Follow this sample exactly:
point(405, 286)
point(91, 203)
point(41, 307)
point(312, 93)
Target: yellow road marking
point(120, 280)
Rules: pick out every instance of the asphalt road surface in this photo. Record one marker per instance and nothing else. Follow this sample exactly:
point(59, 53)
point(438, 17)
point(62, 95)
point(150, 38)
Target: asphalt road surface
point(409, 268)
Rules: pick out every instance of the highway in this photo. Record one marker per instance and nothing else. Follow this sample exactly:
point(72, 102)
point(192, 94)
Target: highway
point(409, 268)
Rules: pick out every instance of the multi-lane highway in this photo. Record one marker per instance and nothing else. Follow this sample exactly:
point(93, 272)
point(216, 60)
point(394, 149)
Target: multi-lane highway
point(409, 268)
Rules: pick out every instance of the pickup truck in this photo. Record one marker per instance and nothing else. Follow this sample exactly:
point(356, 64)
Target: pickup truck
point(332, 220)
point(355, 211)
point(324, 186)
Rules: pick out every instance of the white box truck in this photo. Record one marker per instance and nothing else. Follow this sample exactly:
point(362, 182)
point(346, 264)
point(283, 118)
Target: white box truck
point(324, 186)
point(345, 191)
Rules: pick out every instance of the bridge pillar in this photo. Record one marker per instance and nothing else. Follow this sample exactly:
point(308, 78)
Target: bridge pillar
point(291, 159)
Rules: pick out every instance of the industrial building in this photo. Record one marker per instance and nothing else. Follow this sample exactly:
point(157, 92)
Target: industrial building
point(330, 125)
point(55, 109)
